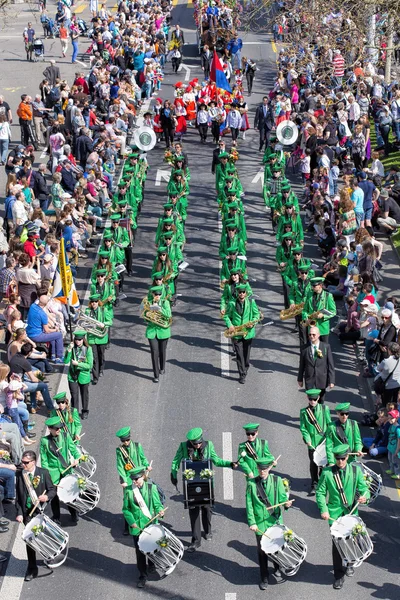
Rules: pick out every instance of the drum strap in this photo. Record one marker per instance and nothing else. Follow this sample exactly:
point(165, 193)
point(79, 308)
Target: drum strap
point(339, 485)
point(313, 420)
point(31, 490)
point(250, 450)
point(127, 459)
point(141, 503)
point(261, 493)
point(57, 452)
point(340, 433)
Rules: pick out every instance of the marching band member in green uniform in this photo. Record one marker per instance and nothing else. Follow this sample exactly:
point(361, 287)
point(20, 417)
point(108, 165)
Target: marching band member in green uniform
point(264, 491)
point(292, 217)
point(232, 214)
point(336, 496)
point(109, 246)
point(343, 431)
point(240, 312)
point(195, 448)
point(179, 164)
point(68, 416)
point(166, 293)
point(231, 237)
point(179, 203)
point(314, 422)
point(99, 342)
point(57, 453)
point(173, 247)
point(292, 271)
point(79, 356)
point(104, 262)
point(122, 242)
point(298, 289)
point(315, 301)
point(106, 291)
point(220, 171)
point(159, 335)
point(165, 225)
point(178, 182)
point(141, 503)
point(252, 450)
point(163, 264)
point(272, 188)
point(130, 455)
point(284, 256)
point(176, 222)
point(230, 289)
point(230, 262)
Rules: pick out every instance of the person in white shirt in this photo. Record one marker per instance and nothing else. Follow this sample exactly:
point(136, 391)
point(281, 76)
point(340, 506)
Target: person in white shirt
point(354, 111)
point(233, 121)
point(18, 210)
point(202, 122)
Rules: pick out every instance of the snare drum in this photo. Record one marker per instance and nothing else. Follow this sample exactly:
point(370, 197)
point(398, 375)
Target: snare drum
point(82, 499)
point(353, 549)
point(162, 546)
point(47, 539)
point(319, 456)
point(372, 479)
point(87, 467)
point(288, 554)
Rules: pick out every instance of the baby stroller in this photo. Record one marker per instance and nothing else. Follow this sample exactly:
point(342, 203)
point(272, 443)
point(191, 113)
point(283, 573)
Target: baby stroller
point(83, 28)
point(38, 50)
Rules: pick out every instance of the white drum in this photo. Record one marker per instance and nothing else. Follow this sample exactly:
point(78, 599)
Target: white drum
point(47, 539)
point(79, 492)
point(87, 465)
point(162, 546)
point(372, 479)
point(352, 540)
point(319, 457)
point(287, 553)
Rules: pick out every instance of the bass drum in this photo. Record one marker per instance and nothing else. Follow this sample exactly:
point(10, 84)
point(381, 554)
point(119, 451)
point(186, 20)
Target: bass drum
point(162, 546)
point(87, 465)
point(352, 540)
point(288, 553)
point(78, 492)
point(47, 539)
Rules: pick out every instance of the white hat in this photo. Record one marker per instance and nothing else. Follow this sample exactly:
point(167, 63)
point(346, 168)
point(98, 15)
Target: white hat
point(47, 258)
point(365, 302)
point(15, 385)
point(19, 325)
point(372, 308)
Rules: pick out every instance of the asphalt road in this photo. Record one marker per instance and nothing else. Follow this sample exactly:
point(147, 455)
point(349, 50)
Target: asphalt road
point(200, 388)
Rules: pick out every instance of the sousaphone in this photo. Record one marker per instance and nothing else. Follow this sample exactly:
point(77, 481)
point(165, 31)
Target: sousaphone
point(287, 133)
point(144, 138)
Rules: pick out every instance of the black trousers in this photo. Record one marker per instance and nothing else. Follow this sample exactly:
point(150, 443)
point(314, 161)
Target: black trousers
point(242, 349)
point(195, 513)
point(324, 338)
point(285, 293)
point(79, 390)
point(31, 554)
point(158, 349)
point(263, 560)
point(129, 258)
point(265, 134)
point(56, 510)
point(249, 79)
point(141, 559)
point(314, 470)
point(27, 133)
point(234, 133)
point(302, 331)
point(321, 398)
point(203, 130)
point(99, 355)
point(339, 570)
point(215, 130)
point(169, 136)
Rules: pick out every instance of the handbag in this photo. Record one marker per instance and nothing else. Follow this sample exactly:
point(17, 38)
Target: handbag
point(380, 383)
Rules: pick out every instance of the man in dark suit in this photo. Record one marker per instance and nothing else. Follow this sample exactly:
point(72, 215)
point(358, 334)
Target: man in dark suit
point(206, 58)
point(45, 491)
point(177, 35)
point(264, 121)
point(218, 150)
point(316, 369)
point(83, 147)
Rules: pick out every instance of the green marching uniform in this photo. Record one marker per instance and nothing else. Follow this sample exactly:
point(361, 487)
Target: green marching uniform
point(337, 433)
point(261, 494)
point(231, 263)
point(250, 451)
point(99, 340)
point(314, 303)
point(141, 504)
point(68, 416)
point(195, 448)
point(240, 313)
point(56, 452)
point(158, 335)
point(106, 290)
point(79, 375)
point(314, 422)
point(336, 496)
point(230, 292)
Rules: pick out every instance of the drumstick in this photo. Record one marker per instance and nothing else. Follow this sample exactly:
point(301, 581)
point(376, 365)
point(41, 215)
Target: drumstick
point(263, 534)
point(155, 517)
point(36, 505)
point(357, 454)
point(354, 508)
point(280, 504)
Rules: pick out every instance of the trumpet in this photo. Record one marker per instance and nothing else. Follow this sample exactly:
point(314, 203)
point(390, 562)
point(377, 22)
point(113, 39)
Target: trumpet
point(311, 320)
point(288, 313)
point(90, 325)
point(243, 330)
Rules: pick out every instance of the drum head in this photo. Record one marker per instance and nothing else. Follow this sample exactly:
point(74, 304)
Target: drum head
point(68, 489)
point(319, 456)
point(149, 537)
point(287, 132)
point(342, 527)
point(144, 138)
point(35, 522)
point(274, 541)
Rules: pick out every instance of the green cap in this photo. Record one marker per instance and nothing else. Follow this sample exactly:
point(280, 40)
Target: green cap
point(122, 202)
point(53, 422)
point(122, 183)
point(179, 158)
point(241, 287)
point(173, 191)
point(233, 205)
point(341, 450)
point(178, 172)
point(134, 155)
point(288, 235)
point(276, 168)
point(94, 297)
point(161, 249)
point(232, 250)
point(289, 203)
point(156, 289)
point(168, 221)
point(273, 155)
point(235, 270)
point(251, 426)
point(108, 235)
point(230, 224)
point(194, 434)
point(223, 155)
point(101, 272)
point(137, 472)
point(79, 334)
point(298, 249)
point(115, 217)
point(304, 268)
point(158, 275)
point(229, 178)
point(124, 432)
point(168, 205)
point(316, 280)
point(313, 394)
point(60, 397)
point(265, 462)
point(168, 234)
point(104, 253)
point(342, 406)
point(285, 187)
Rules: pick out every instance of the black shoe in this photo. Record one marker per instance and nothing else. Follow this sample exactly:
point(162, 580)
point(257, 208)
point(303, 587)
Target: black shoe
point(278, 575)
point(3, 529)
point(94, 382)
point(338, 584)
point(151, 568)
point(155, 379)
point(142, 582)
point(312, 490)
point(75, 518)
point(101, 374)
point(4, 522)
point(193, 547)
point(31, 435)
point(350, 572)
point(56, 521)
point(263, 585)
point(85, 414)
point(208, 536)
point(242, 380)
point(130, 273)
point(162, 371)
point(29, 575)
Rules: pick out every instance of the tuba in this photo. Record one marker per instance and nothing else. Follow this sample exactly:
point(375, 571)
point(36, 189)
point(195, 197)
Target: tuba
point(154, 316)
point(243, 330)
point(92, 326)
point(288, 313)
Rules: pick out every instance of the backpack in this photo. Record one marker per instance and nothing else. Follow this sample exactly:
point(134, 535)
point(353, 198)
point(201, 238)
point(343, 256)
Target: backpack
point(53, 96)
point(341, 130)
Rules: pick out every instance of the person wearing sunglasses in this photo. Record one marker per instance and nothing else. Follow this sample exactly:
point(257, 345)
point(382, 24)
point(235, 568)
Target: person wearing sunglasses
point(251, 450)
point(158, 330)
point(40, 486)
point(343, 431)
point(336, 495)
point(242, 311)
point(315, 301)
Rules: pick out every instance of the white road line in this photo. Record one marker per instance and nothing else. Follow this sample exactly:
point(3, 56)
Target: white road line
point(14, 579)
point(227, 474)
point(224, 355)
point(230, 596)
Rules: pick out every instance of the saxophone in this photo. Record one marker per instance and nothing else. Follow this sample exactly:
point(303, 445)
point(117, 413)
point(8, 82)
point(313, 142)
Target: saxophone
point(311, 320)
point(243, 330)
point(288, 313)
point(142, 171)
